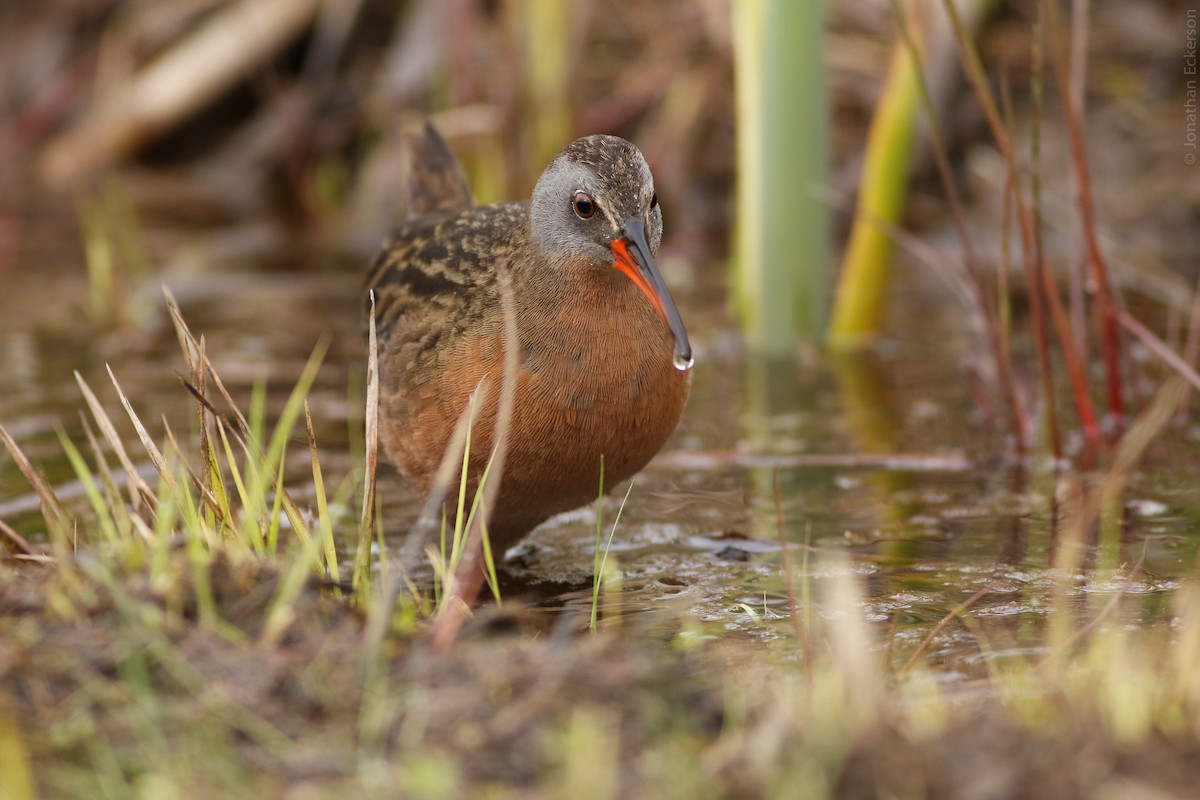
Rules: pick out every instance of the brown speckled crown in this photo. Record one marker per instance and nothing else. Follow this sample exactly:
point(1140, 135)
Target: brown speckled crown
point(621, 164)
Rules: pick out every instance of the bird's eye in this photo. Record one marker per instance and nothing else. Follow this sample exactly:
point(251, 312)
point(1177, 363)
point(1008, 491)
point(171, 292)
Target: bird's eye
point(654, 201)
point(583, 204)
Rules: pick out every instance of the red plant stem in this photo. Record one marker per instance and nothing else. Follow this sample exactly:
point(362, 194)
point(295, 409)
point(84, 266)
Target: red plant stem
point(1012, 194)
point(984, 297)
point(1035, 234)
point(1076, 268)
point(1107, 302)
point(1075, 367)
point(1074, 359)
point(974, 72)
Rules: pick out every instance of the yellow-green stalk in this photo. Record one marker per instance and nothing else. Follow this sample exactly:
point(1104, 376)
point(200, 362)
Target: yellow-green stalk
point(859, 305)
point(546, 72)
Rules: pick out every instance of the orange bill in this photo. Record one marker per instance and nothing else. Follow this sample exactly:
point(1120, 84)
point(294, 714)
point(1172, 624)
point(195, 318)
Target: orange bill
point(632, 253)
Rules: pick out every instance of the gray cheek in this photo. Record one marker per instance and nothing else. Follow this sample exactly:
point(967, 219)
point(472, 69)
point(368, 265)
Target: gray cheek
point(656, 230)
point(577, 242)
point(555, 233)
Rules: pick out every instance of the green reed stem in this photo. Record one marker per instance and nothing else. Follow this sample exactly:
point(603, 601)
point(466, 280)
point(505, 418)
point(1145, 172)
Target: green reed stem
point(782, 253)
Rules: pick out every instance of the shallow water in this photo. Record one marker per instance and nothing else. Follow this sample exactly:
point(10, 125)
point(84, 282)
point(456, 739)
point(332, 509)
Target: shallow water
point(890, 469)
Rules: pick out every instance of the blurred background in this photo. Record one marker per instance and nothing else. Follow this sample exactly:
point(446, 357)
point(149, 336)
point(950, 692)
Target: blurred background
point(273, 127)
point(266, 131)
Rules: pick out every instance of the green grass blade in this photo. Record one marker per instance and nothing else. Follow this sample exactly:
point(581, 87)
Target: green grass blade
point(251, 531)
point(324, 523)
point(104, 516)
point(597, 557)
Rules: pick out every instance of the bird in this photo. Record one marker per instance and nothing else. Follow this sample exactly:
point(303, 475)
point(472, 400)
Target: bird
point(604, 358)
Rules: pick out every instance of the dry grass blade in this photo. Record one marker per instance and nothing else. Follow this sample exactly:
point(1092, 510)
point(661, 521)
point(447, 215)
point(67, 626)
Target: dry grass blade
point(120, 514)
point(1108, 495)
point(1145, 429)
point(414, 544)
point(194, 353)
point(1104, 613)
point(182, 333)
point(508, 391)
point(447, 475)
point(208, 496)
point(18, 541)
point(366, 523)
point(140, 492)
point(152, 451)
point(206, 454)
point(199, 396)
point(56, 516)
point(470, 570)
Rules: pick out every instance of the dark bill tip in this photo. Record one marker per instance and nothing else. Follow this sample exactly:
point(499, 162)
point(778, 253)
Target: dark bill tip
point(635, 232)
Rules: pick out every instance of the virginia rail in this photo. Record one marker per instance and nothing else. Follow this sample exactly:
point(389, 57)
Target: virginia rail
point(604, 357)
